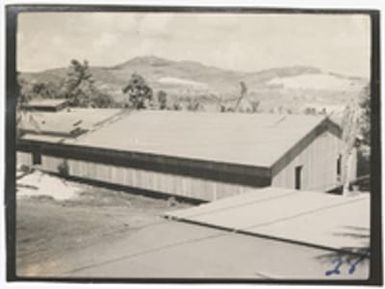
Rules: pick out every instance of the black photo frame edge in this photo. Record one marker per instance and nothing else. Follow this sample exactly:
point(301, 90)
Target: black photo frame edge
point(376, 265)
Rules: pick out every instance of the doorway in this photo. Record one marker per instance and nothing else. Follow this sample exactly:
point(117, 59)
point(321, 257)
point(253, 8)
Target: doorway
point(339, 169)
point(298, 178)
point(36, 158)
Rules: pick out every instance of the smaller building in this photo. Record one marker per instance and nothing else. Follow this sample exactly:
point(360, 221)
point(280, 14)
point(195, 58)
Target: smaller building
point(51, 105)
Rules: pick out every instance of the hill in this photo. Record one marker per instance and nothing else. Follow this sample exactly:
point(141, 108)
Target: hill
point(282, 86)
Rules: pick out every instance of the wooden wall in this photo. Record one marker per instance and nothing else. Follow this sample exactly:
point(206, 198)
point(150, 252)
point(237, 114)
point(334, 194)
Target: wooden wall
point(23, 158)
point(197, 179)
point(184, 186)
point(319, 161)
point(155, 181)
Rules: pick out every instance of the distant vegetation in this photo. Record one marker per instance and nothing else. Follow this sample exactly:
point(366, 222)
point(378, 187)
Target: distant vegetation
point(162, 100)
point(364, 151)
point(139, 92)
point(154, 83)
point(365, 115)
point(78, 86)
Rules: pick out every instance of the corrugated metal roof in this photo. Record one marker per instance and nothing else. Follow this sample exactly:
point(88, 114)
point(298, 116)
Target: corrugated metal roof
point(315, 218)
point(249, 139)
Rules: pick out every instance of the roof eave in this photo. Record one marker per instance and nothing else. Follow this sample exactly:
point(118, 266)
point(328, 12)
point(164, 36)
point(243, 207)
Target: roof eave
point(324, 125)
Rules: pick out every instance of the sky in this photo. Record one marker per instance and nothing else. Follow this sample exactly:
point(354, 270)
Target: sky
point(243, 42)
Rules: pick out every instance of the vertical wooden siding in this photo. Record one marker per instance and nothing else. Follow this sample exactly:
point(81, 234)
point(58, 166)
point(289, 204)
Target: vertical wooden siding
point(23, 158)
point(184, 186)
point(319, 161)
point(155, 181)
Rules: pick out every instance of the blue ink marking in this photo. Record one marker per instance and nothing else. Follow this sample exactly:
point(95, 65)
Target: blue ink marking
point(339, 262)
point(336, 269)
point(353, 265)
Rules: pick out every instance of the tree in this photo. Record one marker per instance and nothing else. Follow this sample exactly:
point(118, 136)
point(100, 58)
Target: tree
point(350, 129)
point(255, 106)
point(23, 116)
point(102, 100)
point(40, 89)
point(21, 92)
point(139, 92)
point(162, 100)
point(194, 105)
point(243, 92)
point(365, 115)
point(21, 100)
point(363, 153)
point(79, 84)
point(47, 89)
point(176, 106)
point(308, 111)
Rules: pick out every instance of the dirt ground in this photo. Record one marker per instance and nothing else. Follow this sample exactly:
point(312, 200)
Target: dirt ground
point(48, 229)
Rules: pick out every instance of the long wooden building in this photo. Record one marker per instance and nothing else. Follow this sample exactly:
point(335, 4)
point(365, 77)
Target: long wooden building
point(203, 156)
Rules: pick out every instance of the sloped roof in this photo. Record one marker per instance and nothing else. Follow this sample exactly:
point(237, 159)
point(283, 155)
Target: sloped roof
point(44, 125)
point(171, 249)
point(180, 250)
point(315, 218)
point(49, 102)
point(246, 139)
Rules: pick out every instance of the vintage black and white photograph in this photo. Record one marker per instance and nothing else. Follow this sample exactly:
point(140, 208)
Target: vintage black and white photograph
point(197, 145)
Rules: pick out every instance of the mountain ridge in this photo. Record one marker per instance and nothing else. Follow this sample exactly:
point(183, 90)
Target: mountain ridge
point(158, 61)
point(194, 79)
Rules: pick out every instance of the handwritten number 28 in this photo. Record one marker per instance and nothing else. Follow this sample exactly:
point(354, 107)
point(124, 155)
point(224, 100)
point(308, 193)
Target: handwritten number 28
point(339, 262)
